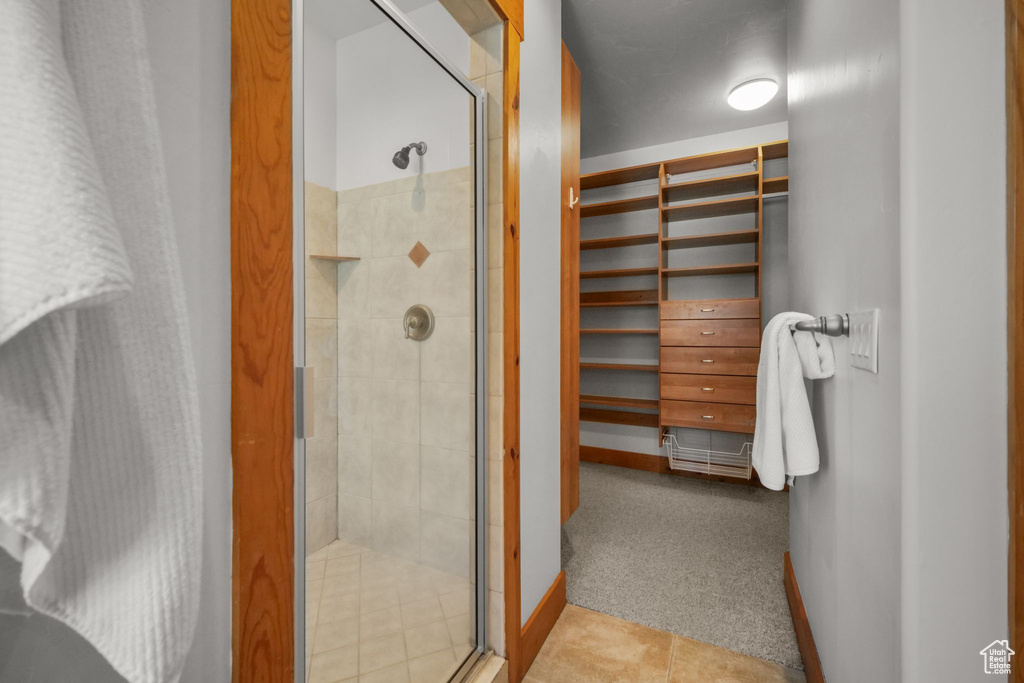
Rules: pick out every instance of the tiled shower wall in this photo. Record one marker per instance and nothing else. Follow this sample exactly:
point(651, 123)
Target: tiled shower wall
point(406, 412)
point(322, 353)
point(485, 70)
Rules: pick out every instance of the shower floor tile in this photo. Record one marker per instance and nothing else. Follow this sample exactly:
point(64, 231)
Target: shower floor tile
point(371, 616)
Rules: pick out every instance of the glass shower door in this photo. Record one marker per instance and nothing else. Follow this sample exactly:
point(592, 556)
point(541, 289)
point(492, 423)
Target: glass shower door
point(392, 249)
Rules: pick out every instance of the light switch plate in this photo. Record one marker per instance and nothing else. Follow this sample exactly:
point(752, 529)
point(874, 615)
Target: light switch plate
point(864, 340)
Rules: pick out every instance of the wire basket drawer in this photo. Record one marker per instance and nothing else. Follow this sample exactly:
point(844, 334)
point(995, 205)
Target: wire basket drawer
point(707, 461)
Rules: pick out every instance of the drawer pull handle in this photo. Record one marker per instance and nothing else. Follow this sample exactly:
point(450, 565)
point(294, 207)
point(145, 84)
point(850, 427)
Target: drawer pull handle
point(707, 334)
point(707, 388)
point(707, 360)
point(707, 417)
point(707, 310)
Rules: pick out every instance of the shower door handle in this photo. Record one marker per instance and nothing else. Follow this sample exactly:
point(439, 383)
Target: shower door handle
point(572, 202)
point(305, 402)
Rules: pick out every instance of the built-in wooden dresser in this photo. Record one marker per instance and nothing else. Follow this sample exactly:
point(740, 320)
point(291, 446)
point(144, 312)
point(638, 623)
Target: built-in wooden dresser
point(709, 354)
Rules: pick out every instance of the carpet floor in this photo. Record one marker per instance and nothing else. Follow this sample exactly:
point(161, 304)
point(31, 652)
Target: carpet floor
point(696, 558)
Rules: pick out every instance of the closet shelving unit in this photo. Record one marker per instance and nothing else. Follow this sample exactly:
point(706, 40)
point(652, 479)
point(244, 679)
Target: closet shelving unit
point(708, 349)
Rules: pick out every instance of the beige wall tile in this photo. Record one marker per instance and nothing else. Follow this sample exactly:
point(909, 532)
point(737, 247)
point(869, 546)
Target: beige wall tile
point(495, 558)
point(396, 472)
point(355, 348)
point(447, 414)
point(447, 356)
point(495, 101)
point(496, 367)
point(321, 466)
point(496, 622)
point(322, 346)
point(495, 431)
point(355, 397)
point(446, 543)
point(495, 237)
point(354, 228)
point(394, 356)
point(446, 481)
point(321, 288)
point(394, 286)
point(396, 529)
point(353, 290)
point(446, 284)
point(321, 215)
point(354, 465)
point(495, 495)
point(495, 300)
point(321, 522)
point(354, 519)
point(325, 411)
point(396, 409)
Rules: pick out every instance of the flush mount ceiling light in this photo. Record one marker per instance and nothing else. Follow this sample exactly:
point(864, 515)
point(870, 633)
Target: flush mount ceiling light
point(753, 94)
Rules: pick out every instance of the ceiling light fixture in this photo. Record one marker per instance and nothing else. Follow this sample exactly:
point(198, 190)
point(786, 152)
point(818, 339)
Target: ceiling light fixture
point(753, 94)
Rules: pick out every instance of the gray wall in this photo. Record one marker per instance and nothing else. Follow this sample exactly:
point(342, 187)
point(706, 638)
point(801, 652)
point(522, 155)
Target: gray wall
point(953, 253)
point(189, 44)
point(540, 100)
point(844, 255)
point(899, 543)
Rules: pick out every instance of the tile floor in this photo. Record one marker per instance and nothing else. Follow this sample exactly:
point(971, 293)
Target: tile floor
point(376, 618)
point(590, 647)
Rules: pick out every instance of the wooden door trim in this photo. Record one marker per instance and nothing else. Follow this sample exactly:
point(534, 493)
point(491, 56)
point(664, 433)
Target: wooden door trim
point(1015, 314)
point(510, 355)
point(570, 280)
point(262, 379)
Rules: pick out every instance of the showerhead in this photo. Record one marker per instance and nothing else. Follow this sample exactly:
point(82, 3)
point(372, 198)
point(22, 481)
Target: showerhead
point(401, 158)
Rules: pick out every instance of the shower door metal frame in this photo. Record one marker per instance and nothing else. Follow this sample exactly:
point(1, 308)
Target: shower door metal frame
point(480, 305)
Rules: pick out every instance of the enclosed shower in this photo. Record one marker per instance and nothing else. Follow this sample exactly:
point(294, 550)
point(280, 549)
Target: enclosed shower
point(394, 296)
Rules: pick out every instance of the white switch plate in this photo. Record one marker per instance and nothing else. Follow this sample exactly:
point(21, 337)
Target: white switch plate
point(864, 340)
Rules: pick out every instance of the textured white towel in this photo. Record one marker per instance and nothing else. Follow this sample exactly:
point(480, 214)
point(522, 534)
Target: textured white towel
point(784, 439)
point(99, 455)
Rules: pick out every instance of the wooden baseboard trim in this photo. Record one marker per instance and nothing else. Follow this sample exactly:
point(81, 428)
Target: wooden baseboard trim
point(652, 463)
point(540, 623)
point(804, 637)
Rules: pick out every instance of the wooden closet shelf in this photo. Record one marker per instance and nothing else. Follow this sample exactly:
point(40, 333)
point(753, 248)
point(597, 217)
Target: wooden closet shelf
point(331, 257)
point(705, 162)
point(718, 207)
point(773, 185)
point(620, 401)
point(634, 297)
point(728, 269)
point(776, 150)
point(616, 331)
point(619, 206)
point(638, 367)
point(619, 417)
point(709, 187)
point(620, 272)
point(618, 176)
point(714, 239)
point(613, 242)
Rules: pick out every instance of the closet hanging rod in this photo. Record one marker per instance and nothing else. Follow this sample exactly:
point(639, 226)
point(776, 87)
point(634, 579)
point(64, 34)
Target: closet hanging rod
point(835, 325)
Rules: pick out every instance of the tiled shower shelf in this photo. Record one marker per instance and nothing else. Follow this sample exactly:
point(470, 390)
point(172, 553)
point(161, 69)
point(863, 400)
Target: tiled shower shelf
point(330, 257)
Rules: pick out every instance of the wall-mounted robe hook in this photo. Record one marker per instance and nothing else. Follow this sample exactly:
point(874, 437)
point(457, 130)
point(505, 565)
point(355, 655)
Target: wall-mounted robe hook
point(835, 325)
point(572, 202)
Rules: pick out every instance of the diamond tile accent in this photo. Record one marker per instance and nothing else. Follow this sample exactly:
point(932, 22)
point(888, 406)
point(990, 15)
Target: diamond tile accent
point(419, 254)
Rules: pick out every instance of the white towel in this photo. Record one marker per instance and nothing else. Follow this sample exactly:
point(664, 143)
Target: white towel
point(784, 441)
point(99, 455)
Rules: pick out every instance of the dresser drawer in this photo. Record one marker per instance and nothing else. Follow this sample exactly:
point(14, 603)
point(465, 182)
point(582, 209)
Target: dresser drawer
point(709, 388)
point(711, 332)
point(723, 417)
point(710, 309)
point(709, 360)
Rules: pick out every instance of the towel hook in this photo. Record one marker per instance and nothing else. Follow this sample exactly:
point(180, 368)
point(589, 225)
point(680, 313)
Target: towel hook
point(835, 325)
